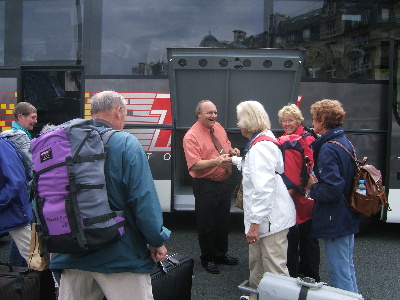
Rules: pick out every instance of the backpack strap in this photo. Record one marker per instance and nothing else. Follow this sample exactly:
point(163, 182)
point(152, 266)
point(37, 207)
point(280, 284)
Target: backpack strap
point(309, 131)
point(263, 137)
point(106, 134)
point(353, 156)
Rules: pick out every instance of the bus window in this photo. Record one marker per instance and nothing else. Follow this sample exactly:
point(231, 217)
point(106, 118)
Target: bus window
point(56, 38)
point(55, 92)
point(2, 24)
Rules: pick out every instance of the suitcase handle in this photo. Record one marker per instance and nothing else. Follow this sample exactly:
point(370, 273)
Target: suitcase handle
point(244, 287)
point(10, 269)
point(309, 282)
point(306, 281)
point(170, 260)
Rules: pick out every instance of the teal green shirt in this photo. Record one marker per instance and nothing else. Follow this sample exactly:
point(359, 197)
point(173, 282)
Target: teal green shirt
point(16, 126)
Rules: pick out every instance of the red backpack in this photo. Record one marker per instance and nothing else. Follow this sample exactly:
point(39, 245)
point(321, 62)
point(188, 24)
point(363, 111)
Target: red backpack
point(296, 145)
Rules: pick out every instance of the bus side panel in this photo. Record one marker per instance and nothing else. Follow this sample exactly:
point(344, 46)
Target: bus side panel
point(393, 216)
point(366, 113)
point(148, 105)
point(8, 100)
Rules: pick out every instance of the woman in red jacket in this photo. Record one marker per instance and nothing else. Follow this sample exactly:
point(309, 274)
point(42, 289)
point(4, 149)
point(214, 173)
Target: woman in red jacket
point(303, 251)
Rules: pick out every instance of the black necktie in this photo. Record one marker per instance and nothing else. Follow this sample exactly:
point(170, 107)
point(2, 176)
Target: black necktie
point(216, 142)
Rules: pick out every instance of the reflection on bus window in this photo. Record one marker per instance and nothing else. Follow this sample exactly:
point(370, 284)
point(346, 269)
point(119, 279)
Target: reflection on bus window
point(49, 30)
point(347, 39)
point(2, 24)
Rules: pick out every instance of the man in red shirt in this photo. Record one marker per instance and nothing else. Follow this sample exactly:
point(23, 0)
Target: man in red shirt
point(209, 163)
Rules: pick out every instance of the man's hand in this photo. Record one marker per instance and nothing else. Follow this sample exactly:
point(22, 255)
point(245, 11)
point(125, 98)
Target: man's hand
point(158, 254)
point(224, 161)
point(234, 152)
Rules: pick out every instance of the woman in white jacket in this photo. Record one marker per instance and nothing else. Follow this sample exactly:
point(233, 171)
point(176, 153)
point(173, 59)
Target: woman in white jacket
point(269, 211)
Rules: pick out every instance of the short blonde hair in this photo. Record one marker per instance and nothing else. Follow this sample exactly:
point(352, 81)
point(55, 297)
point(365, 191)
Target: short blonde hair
point(252, 116)
point(329, 111)
point(291, 110)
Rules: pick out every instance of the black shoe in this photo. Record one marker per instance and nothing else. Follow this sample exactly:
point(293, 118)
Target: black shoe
point(210, 266)
point(227, 260)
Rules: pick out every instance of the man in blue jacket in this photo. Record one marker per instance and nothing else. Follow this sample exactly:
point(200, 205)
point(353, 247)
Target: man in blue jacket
point(15, 210)
point(334, 170)
point(121, 270)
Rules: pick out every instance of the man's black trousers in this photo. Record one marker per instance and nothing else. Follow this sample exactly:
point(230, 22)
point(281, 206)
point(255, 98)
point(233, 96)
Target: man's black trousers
point(212, 205)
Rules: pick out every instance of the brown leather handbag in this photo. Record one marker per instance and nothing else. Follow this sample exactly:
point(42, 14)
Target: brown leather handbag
point(238, 195)
point(369, 204)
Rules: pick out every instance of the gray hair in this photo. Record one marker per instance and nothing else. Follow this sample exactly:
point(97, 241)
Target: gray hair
point(252, 116)
point(106, 101)
point(197, 110)
point(23, 108)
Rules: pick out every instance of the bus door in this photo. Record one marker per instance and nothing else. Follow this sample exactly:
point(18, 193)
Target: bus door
point(56, 92)
point(393, 158)
point(226, 77)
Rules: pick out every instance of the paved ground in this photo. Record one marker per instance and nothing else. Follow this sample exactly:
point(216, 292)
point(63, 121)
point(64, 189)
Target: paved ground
point(377, 258)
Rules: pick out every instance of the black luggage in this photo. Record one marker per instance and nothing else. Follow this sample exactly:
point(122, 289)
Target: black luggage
point(172, 278)
point(18, 283)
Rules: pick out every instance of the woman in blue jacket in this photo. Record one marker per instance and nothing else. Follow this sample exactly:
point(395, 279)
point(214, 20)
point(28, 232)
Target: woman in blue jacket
point(15, 210)
point(330, 187)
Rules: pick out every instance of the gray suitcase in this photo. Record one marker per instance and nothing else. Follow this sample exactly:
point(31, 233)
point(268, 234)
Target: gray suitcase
point(279, 287)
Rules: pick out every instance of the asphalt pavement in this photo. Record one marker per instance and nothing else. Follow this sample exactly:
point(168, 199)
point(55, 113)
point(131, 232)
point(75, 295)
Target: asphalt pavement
point(377, 259)
point(376, 255)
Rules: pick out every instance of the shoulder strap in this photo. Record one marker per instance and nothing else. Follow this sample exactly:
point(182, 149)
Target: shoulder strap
point(305, 134)
point(264, 138)
point(309, 131)
point(106, 134)
point(353, 156)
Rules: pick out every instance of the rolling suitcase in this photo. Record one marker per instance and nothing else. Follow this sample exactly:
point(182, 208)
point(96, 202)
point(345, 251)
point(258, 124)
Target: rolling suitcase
point(24, 284)
point(172, 278)
point(278, 287)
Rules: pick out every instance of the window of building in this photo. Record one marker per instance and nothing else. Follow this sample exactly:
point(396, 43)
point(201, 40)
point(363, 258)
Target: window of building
point(385, 15)
point(331, 27)
point(306, 34)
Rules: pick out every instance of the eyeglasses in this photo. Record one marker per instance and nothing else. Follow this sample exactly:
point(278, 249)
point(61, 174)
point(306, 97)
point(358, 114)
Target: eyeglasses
point(32, 117)
point(289, 121)
point(211, 113)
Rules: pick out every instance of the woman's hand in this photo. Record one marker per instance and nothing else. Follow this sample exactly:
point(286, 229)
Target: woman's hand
point(311, 180)
point(252, 235)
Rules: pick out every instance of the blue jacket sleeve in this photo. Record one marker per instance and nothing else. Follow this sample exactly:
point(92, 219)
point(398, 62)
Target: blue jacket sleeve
point(12, 174)
point(142, 196)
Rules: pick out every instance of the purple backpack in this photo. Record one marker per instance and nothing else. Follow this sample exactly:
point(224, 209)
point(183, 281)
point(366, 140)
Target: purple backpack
point(69, 189)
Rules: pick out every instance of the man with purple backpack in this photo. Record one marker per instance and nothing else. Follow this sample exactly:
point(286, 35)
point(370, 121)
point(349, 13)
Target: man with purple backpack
point(122, 269)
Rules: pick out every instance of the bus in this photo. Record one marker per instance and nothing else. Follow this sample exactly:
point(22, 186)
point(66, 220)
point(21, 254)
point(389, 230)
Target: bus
point(164, 56)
